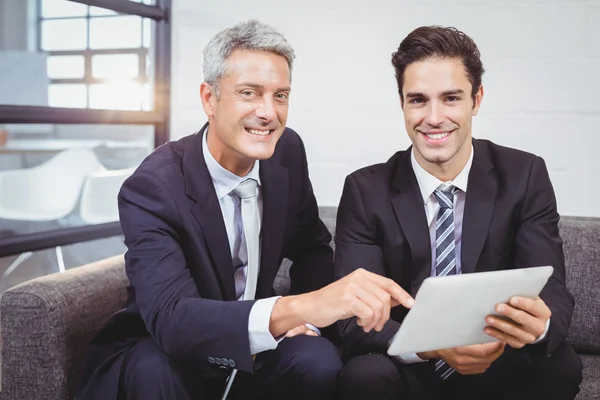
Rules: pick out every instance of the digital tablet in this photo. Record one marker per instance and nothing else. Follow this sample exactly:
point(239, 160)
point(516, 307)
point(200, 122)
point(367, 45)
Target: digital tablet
point(450, 311)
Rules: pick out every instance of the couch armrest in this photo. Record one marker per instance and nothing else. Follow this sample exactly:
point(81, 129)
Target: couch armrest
point(47, 322)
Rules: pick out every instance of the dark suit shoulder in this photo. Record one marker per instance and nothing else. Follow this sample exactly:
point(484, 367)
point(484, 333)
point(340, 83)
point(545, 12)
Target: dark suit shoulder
point(166, 162)
point(504, 157)
point(167, 154)
point(512, 168)
point(376, 175)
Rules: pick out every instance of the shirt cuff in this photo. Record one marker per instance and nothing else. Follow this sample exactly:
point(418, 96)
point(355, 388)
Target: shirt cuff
point(543, 334)
point(409, 358)
point(258, 326)
point(313, 328)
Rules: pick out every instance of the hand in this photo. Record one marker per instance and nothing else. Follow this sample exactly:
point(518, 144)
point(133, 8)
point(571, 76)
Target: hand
point(301, 330)
point(469, 360)
point(363, 294)
point(522, 321)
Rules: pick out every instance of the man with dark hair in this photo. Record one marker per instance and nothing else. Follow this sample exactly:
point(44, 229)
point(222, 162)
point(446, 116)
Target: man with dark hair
point(452, 204)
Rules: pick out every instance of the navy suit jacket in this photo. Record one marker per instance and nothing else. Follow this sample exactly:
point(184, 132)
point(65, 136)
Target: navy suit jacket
point(510, 221)
point(182, 290)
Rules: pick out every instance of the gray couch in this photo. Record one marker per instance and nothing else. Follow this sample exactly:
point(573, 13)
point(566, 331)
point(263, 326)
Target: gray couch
point(46, 322)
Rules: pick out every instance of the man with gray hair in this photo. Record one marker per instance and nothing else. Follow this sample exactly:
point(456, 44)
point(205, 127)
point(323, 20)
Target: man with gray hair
point(207, 221)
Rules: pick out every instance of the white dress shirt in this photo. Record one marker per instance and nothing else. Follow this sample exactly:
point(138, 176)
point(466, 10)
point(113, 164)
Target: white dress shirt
point(428, 184)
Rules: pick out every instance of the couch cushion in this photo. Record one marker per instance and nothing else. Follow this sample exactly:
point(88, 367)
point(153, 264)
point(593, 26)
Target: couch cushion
point(582, 258)
point(328, 215)
point(590, 387)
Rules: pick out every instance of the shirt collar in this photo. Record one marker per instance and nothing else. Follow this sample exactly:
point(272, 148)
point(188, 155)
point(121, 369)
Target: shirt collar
point(223, 180)
point(428, 183)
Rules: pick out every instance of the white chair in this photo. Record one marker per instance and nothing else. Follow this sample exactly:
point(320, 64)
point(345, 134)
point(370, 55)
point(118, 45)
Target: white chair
point(46, 192)
point(99, 196)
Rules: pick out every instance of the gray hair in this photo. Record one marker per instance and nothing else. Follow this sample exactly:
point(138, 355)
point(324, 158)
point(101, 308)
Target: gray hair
point(249, 35)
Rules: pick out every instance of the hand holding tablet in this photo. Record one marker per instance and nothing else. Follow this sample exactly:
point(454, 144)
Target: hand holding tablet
point(451, 311)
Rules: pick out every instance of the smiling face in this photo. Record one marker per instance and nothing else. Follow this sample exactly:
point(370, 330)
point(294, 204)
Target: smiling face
point(438, 112)
point(250, 115)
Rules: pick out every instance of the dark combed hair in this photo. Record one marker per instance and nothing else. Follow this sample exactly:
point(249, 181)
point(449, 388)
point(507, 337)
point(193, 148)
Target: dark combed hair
point(438, 42)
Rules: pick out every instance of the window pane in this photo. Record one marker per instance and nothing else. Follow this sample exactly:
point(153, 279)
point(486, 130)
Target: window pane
point(101, 11)
point(62, 8)
point(149, 87)
point(116, 32)
point(123, 95)
point(147, 99)
point(66, 67)
point(67, 95)
point(68, 34)
point(148, 32)
point(115, 66)
point(23, 78)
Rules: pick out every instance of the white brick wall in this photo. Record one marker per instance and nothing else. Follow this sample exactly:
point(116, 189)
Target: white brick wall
point(542, 60)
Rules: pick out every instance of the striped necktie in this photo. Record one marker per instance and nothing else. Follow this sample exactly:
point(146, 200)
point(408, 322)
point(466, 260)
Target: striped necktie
point(247, 191)
point(445, 254)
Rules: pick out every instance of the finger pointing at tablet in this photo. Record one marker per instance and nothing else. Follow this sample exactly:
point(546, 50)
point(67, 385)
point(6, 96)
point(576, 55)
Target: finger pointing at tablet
point(363, 294)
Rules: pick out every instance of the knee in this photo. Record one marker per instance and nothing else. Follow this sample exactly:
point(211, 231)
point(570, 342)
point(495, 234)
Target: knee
point(368, 372)
point(571, 368)
point(574, 376)
point(147, 368)
point(563, 370)
point(316, 361)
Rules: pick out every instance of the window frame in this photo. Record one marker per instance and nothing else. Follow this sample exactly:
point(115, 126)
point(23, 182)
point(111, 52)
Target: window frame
point(88, 79)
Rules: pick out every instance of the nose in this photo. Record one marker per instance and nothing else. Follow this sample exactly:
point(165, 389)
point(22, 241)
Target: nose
point(435, 115)
point(266, 110)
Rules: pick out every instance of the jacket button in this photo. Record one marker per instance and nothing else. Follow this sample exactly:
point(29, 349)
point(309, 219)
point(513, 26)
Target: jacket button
point(232, 363)
point(211, 360)
point(224, 361)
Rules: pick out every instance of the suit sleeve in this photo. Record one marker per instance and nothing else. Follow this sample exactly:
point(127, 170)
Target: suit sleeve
point(356, 247)
point(310, 250)
point(538, 243)
point(182, 324)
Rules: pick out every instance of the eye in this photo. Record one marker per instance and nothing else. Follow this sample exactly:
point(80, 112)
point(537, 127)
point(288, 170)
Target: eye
point(249, 94)
point(453, 98)
point(417, 100)
point(282, 96)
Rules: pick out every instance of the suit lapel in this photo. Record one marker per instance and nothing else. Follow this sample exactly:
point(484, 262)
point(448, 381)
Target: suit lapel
point(410, 211)
point(479, 206)
point(274, 182)
point(207, 212)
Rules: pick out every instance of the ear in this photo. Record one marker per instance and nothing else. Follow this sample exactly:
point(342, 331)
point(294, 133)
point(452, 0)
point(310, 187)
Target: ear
point(209, 99)
point(478, 100)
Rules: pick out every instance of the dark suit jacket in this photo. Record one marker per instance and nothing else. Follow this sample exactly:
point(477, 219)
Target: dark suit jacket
point(510, 221)
point(182, 290)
